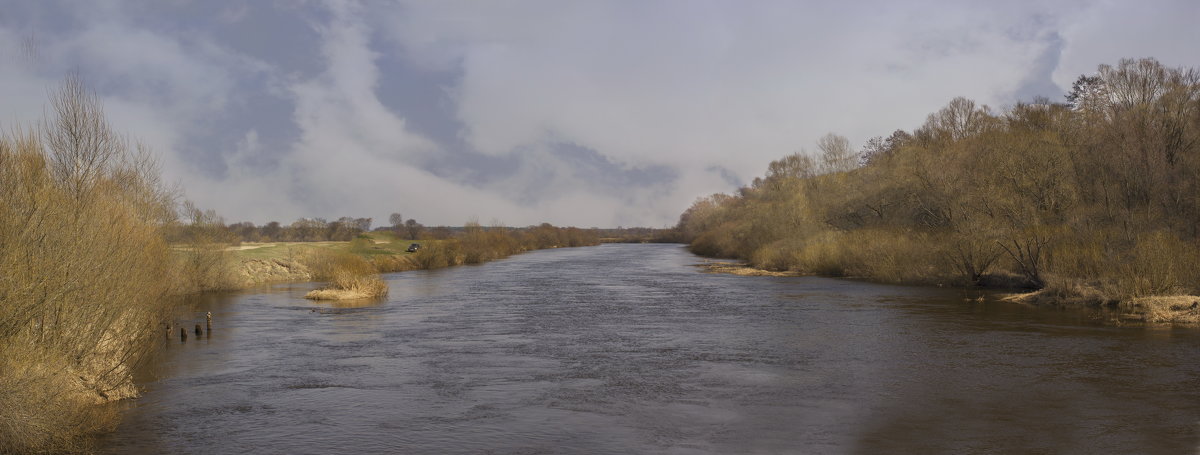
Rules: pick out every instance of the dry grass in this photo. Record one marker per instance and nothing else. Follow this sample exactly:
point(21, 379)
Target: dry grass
point(738, 268)
point(438, 255)
point(258, 271)
point(364, 290)
point(1177, 309)
point(394, 263)
point(43, 407)
point(349, 277)
point(873, 254)
point(1068, 293)
point(1050, 298)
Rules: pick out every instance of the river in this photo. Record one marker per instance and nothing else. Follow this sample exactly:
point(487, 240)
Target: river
point(621, 349)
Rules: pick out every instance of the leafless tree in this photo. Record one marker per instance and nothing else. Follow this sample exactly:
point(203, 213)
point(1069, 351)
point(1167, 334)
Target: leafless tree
point(413, 228)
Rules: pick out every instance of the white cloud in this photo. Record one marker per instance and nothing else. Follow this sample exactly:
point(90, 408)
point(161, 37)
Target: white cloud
point(354, 156)
point(688, 86)
point(698, 84)
point(1108, 31)
point(155, 87)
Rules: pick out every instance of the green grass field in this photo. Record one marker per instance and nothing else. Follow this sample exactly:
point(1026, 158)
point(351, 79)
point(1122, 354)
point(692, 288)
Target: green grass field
point(366, 245)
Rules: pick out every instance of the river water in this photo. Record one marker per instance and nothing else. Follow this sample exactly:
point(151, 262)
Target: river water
point(631, 349)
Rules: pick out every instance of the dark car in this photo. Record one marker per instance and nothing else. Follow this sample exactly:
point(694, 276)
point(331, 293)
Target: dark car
point(413, 248)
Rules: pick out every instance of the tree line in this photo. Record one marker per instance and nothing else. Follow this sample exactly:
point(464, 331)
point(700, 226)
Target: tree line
point(206, 225)
point(196, 226)
point(476, 244)
point(1098, 195)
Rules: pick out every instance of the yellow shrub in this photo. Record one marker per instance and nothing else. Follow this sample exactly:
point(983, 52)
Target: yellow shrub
point(349, 277)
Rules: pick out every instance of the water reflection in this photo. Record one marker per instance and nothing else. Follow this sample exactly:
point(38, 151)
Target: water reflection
point(629, 349)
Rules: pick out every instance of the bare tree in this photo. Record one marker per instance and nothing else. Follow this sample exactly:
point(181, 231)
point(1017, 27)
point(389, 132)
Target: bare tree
point(878, 148)
point(1134, 82)
point(836, 154)
point(271, 231)
point(81, 142)
point(960, 119)
point(413, 228)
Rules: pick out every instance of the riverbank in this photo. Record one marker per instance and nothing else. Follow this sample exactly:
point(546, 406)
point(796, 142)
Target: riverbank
point(53, 403)
point(254, 264)
point(1071, 198)
point(1168, 309)
point(740, 268)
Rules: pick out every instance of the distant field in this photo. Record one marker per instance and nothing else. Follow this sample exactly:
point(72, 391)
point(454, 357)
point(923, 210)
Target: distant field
point(378, 243)
point(255, 263)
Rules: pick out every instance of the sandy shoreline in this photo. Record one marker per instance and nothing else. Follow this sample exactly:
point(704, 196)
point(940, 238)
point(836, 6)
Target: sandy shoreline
point(739, 268)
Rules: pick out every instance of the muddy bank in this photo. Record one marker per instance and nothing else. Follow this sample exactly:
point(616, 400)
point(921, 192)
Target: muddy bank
point(1173, 309)
point(739, 268)
point(1176, 309)
point(252, 272)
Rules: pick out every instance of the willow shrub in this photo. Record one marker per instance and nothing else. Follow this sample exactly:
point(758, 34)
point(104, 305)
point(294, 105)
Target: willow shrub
point(1160, 264)
point(349, 276)
point(875, 254)
point(86, 273)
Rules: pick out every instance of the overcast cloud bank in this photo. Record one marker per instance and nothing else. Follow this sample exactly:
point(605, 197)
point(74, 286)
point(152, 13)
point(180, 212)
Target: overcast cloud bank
point(575, 113)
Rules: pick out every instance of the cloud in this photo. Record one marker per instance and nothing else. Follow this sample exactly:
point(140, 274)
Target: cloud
point(584, 113)
point(23, 92)
point(710, 84)
point(1105, 32)
point(354, 155)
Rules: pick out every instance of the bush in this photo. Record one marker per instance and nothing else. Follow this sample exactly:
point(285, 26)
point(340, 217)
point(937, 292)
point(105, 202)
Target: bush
point(43, 408)
point(86, 273)
point(1160, 264)
point(361, 245)
point(349, 277)
point(436, 255)
point(387, 263)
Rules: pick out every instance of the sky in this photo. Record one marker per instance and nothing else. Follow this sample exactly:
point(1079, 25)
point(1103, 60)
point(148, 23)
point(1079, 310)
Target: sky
point(583, 113)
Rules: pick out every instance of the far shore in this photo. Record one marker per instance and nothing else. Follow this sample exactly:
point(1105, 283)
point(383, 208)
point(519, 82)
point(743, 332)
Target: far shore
point(254, 264)
point(279, 262)
point(1156, 310)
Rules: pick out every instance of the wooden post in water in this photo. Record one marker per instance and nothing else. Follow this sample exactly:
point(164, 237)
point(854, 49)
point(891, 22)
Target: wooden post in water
point(182, 334)
point(209, 317)
point(199, 331)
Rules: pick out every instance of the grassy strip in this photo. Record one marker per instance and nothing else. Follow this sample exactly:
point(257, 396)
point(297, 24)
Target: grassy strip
point(383, 252)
